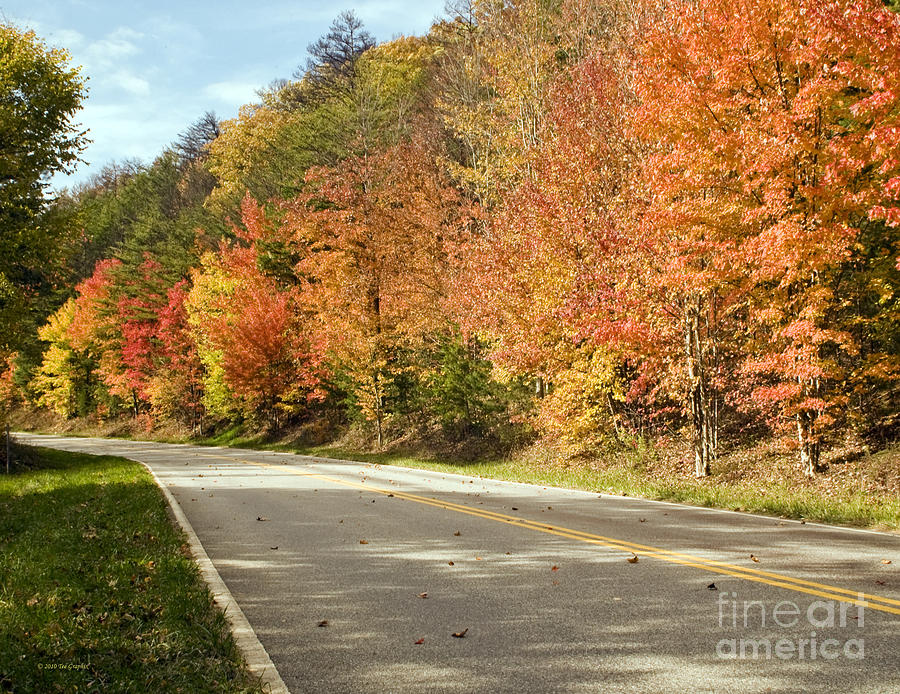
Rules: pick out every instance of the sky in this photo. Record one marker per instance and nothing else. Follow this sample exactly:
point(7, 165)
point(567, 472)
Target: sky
point(155, 67)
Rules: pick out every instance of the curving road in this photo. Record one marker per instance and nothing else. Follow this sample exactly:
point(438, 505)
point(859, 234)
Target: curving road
point(331, 562)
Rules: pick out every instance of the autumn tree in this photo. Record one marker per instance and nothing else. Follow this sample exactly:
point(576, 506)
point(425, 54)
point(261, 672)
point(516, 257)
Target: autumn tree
point(546, 283)
point(63, 381)
point(378, 233)
point(175, 386)
point(258, 352)
point(776, 129)
point(497, 64)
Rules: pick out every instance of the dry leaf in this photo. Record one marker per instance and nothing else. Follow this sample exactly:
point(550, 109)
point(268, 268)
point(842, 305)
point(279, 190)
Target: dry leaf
point(633, 559)
point(711, 586)
point(363, 542)
point(477, 558)
point(515, 508)
point(554, 568)
point(885, 561)
point(32, 602)
point(419, 642)
point(881, 583)
point(275, 547)
point(643, 520)
point(260, 518)
point(460, 634)
point(449, 563)
point(753, 558)
point(423, 595)
point(457, 533)
point(323, 623)
point(390, 495)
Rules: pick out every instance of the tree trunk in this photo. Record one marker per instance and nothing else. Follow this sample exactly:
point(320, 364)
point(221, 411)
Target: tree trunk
point(379, 411)
point(703, 405)
point(809, 447)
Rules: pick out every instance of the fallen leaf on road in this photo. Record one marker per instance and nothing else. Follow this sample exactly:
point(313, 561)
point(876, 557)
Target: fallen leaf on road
point(753, 558)
point(449, 563)
point(323, 623)
point(885, 561)
point(881, 583)
point(633, 559)
point(419, 642)
point(477, 558)
point(390, 495)
point(275, 547)
point(457, 533)
point(260, 518)
point(515, 508)
point(554, 568)
point(423, 595)
point(363, 542)
point(460, 634)
point(643, 520)
point(711, 586)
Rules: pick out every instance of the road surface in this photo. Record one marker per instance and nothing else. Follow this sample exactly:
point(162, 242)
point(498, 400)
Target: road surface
point(356, 576)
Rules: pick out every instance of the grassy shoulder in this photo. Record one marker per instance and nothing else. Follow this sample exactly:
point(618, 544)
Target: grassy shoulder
point(862, 492)
point(97, 591)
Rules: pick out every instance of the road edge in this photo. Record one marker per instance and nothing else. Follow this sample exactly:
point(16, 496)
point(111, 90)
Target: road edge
point(258, 661)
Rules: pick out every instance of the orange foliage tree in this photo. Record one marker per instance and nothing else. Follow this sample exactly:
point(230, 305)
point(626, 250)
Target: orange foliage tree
point(775, 126)
point(377, 232)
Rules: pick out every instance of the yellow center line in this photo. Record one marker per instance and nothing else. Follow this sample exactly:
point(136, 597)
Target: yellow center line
point(875, 602)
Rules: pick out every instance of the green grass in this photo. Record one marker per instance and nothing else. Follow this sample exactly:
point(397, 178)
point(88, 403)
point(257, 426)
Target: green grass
point(97, 592)
point(627, 474)
point(862, 493)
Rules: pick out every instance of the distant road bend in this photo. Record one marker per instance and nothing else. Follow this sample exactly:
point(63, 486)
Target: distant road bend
point(356, 577)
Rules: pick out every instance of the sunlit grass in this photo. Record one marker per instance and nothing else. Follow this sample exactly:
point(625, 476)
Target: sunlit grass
point(842, 501)
point(626, 477)
point(96, 590)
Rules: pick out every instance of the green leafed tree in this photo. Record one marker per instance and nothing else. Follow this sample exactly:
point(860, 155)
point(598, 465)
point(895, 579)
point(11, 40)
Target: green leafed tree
point(40, 93)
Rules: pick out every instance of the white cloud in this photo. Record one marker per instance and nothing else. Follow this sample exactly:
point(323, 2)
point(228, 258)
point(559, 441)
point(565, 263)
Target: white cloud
point(66, 38)
point(116, 46)
point(232, 93)
point(130, 82)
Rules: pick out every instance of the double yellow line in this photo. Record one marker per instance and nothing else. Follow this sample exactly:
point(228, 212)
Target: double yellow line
point(822, 590)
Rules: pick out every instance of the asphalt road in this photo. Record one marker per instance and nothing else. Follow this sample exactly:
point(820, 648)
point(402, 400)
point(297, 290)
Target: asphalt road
point(538, 578)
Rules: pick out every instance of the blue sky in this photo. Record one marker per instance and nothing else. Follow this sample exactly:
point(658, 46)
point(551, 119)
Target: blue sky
point(155, 67)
